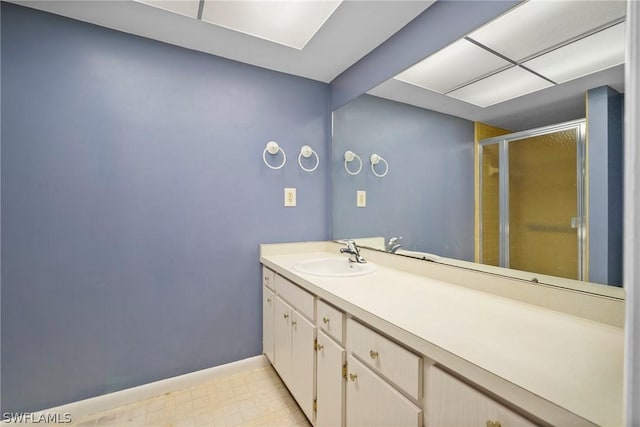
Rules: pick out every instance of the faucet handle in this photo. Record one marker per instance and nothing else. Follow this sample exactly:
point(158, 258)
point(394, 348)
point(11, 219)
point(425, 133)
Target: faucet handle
point(393, 244)
point(352, 249)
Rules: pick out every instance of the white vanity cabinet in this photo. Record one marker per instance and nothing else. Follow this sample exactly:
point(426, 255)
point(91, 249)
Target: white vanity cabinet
point(401, 366)
point(381, 374)
point(301, 382)
point(330, 366)
point(268, 311)
point(429, 346)
point(293, 337)
point(344, 373)
point(371, 401)
point(282, 339)
point(330, 386)
point(451, 402)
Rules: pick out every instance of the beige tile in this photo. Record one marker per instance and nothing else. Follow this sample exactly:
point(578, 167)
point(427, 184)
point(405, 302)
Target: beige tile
point(88, 423)
point(107, 420)
point(199, 392)
point(134, 421)
point(250, 399)
point(155, 416)
point(182, 396)
point(155, 404)
point(233, 419)
point(230, 409)
point(250, 414)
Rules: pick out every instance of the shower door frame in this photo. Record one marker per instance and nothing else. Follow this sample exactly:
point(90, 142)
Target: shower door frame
point(503, 188)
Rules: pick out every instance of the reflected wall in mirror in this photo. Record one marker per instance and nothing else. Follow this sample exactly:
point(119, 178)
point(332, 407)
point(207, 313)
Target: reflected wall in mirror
point(429, 205)
point(428, 190)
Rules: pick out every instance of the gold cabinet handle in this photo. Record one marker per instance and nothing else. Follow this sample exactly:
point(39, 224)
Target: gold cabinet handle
point(373, 354)
point(286, 316)
point(268, 299)
point(493, 424)
point(320, 346)
point(353, 377)
point(325, 320)
point(294, 322)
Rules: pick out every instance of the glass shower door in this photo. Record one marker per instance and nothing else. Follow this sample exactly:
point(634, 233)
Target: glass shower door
point(531, 200)
point(543, 204)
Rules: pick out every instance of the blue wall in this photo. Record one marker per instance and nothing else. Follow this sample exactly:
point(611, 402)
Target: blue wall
point(134, 198)
point(427, 196)
point(605, 126)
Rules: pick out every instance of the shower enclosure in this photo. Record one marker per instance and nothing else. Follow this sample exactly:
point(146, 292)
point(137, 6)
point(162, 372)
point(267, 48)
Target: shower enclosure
point(532, 207)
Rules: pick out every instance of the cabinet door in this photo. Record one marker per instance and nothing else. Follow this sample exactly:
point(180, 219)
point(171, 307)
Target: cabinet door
point(451, 402)
point(282, 339)
point(303, 362)
point(268, 310)
point(330, 382)
point(372, 402)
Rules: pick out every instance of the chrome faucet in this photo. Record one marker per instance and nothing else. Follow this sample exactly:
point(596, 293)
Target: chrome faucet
point(352, 249)
point(394, 244)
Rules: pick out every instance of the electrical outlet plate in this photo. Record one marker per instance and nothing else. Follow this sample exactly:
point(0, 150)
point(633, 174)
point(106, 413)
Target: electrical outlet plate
point(361, 198)
point(289, 197)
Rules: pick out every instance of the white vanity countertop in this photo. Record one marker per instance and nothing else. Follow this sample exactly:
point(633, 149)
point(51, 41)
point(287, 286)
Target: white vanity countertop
point(534, 357)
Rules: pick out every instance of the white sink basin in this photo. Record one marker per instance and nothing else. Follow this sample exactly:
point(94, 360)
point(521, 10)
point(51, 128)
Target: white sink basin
point(334, 267)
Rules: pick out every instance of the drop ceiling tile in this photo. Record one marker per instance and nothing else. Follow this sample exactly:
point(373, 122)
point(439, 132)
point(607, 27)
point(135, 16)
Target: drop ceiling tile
point(539, 25)
point(183, 7)
point(499, 87)
point(459, 63)
point(597, 52)
point(290, 23)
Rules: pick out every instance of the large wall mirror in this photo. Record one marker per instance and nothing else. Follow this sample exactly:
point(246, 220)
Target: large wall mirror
point(462, 158)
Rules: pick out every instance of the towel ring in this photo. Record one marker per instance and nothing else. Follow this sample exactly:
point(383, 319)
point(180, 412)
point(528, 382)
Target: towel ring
point(273, 148)
point(375, 159)
point(307, 152)
point(348, 157)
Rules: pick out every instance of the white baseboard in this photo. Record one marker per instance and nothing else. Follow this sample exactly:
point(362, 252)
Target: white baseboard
point(116, 399)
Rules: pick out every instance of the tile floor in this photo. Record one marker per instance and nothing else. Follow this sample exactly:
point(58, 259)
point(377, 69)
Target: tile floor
point(253, 398)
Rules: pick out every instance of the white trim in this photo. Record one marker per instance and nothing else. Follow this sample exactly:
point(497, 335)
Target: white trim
point(116, 399)
point(631, 217)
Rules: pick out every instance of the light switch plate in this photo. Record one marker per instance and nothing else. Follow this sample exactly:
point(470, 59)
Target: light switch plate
point(361, 199)
point(289, 197)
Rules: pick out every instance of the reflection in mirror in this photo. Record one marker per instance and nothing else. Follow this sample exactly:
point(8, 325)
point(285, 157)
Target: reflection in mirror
point(430, 204)
point(532, 201)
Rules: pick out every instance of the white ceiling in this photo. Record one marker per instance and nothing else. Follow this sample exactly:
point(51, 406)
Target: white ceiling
point(533, 46)
point(291, 23)
point(355, 28)
point(351, 31)
point(527, 68)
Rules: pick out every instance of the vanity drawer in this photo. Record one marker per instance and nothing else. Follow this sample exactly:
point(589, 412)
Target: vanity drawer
point(268, 278)
point(331, 320)
point(451, 402)
point(300, 299)
point(399, 365)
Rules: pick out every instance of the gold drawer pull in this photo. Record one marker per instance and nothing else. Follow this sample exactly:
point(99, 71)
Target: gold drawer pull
point(268, 299)
point(353, 377)
point(325, 320)
point(493, 424)
point(294, 322)
point(286, 316)
point(320, 346)
point(373, 354)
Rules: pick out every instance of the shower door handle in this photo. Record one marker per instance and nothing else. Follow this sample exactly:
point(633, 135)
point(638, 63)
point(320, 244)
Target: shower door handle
point(575, 222)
